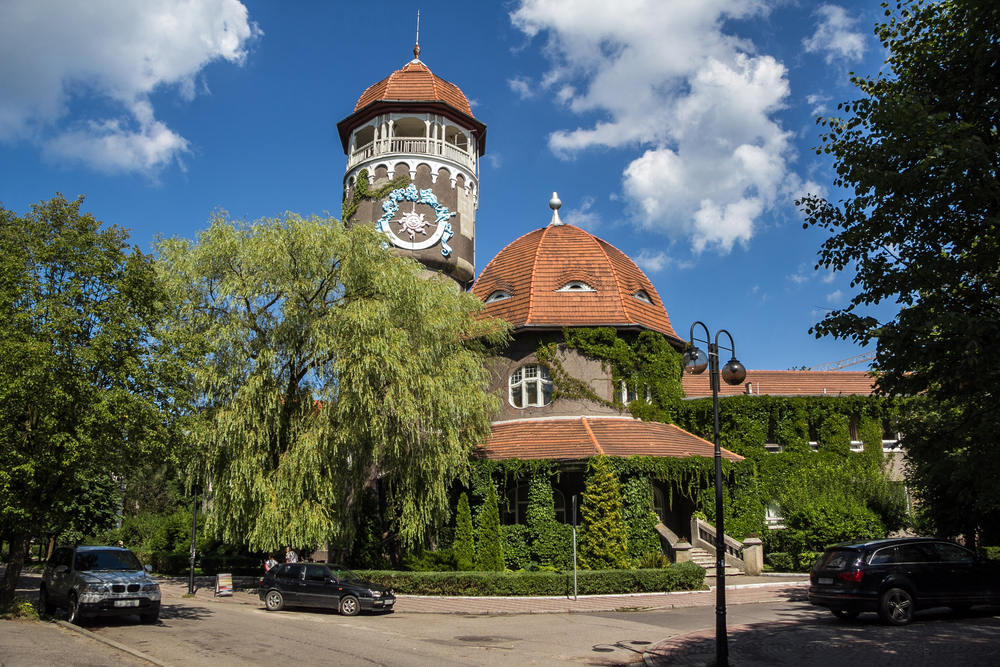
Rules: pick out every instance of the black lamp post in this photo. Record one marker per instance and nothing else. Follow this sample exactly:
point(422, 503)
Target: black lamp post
point(695, 362)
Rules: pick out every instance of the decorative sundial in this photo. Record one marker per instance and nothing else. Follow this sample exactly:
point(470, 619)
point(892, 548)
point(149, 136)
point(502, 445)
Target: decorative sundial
point(410, 230)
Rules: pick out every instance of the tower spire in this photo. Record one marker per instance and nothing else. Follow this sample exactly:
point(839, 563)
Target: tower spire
point(416, 49)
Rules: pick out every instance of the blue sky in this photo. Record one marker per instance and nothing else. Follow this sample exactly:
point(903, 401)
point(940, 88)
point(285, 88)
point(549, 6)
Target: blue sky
point(679, 131)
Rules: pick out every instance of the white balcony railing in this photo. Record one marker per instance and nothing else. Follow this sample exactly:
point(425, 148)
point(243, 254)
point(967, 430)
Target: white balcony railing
point(414, 146)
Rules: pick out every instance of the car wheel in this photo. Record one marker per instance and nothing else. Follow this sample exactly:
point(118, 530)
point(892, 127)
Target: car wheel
point(896, 607)
point(845, 615)
point(45, 604)
point(149, 619)
point(349, 606)
point(274, 601)
point(73, 614)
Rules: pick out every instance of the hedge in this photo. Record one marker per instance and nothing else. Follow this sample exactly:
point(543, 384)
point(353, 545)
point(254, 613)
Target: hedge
point(238, 565)
point(990, 553)
point(786, 562)
point(680, 577)
point(165, 562)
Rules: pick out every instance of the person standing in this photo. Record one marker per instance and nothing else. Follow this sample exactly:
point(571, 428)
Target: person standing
point(291, 556)
point(269, 563)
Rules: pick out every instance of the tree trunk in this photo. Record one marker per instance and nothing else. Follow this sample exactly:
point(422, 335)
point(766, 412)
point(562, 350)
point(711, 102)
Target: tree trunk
point(19, 543)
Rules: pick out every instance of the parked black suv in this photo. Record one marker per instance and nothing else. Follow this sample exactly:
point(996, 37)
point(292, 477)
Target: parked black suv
point(98, 581)
point(319, 585)
point(895, 577)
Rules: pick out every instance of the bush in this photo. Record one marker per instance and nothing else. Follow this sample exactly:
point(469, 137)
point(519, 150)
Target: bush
point(242, 565)
point(680, 577)
point(442, 560)
point(169, 563)
point(785, 562)
point(19, 608)
point(489, 551)
point(990, 553)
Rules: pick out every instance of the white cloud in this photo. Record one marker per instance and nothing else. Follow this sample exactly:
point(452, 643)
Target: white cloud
point(583, 217)
point(652, 263)
point(662, 75)
point(109, 54)
point(522, 86)
point(836, 36)
point(835, 298)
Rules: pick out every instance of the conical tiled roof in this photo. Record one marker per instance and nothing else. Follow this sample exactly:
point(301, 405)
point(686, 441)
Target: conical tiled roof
point(415, 83)
point(563, 276)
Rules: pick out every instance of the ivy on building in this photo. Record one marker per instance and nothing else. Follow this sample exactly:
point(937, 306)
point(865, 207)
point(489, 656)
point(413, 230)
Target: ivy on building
point(362, 192)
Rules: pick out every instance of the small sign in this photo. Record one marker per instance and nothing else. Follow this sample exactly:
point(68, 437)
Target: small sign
point(224, 585)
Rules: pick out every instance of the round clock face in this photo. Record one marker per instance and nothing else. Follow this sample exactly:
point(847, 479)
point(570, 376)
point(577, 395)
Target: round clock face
point(415, 229)
point(426, 224)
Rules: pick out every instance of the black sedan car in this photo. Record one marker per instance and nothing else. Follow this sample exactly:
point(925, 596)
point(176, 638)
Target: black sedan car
point(319, 585)
point(896, 577)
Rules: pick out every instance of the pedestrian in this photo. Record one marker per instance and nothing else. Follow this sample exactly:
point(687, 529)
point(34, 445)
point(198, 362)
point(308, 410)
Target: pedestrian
point(269, 563)
point(121, 544)
point(291, 556)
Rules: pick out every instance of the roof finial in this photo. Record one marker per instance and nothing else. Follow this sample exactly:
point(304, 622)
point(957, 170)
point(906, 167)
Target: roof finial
point(555, 204)
point(416, 49)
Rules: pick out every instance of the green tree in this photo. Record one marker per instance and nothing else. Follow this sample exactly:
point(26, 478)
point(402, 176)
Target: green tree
point(84, 385)
point(489, 551)
point(639, 517)
point(550, 545)
point(465, 542)
point(331, 366)
point(604, 535)
point(918, 155)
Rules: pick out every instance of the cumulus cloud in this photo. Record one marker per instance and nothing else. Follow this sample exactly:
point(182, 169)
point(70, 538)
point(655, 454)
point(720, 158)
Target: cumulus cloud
point(103, 59)
point(522, 86)
point(583, 216)
point(835, 298)
point(663, 76)
point(836, 36)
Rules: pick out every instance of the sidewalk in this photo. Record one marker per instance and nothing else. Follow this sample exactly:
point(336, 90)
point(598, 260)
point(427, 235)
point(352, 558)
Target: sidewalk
point(739, 590)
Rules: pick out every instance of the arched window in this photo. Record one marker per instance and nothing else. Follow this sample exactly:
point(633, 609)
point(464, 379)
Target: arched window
point(498, 295)
point(530, 385)
point(642, 296)
point(576, 286)
point(658, 504)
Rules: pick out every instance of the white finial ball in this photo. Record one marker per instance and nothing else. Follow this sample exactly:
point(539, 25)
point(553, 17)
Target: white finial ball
point(555, 203)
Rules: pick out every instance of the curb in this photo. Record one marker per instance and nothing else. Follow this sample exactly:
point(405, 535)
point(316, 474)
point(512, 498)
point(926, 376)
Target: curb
point(112, 643)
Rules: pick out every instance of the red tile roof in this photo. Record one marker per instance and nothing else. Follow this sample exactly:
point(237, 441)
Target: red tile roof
point(415, 83)
point(582, 437)
point(534, 267)
point(787, 383)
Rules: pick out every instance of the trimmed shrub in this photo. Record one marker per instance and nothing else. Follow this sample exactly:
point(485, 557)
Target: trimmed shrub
point(604, 538)
point(780, 561)
point(465, 545)
point(548, 540)
point(489, 552)
point(680, 577)
point(641, 520)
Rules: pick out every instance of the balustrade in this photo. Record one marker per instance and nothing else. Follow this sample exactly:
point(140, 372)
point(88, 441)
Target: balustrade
point(411, 145)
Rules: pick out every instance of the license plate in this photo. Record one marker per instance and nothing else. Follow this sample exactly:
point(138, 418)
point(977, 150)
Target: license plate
point(388, 603)
point(126, 603)
point(825, 580)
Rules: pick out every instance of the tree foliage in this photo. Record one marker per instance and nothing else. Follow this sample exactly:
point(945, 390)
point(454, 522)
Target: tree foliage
point(330, 366)
point(918, 155)
point(489, 550)
point(551, 546)
point(604, 538)
point(465, 542)
point(85, 387)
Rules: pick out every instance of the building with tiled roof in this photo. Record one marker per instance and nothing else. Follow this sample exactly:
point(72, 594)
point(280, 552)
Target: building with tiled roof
point(787, 383)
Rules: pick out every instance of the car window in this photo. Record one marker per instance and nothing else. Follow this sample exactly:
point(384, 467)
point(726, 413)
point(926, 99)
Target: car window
point(317, 573)
point(343, 573)
point(916, 553)
point(61, 556)
point(884, 557)
point(836, 560)
point(952, 553)
point(290, 572)
point(112, 559)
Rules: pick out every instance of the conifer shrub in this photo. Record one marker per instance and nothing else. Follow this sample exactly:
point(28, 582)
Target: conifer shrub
point(489, 551)
point(464, 545)
point(604, 539)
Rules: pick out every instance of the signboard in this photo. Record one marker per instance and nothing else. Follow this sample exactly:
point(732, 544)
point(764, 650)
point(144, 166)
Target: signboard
point(224, 585)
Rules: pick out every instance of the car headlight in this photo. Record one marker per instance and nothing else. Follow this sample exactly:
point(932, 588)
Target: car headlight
point(374, 593)
point(95, 588)
point(150, 587)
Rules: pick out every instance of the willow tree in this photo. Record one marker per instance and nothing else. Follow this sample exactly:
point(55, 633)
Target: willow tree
point(331, 366)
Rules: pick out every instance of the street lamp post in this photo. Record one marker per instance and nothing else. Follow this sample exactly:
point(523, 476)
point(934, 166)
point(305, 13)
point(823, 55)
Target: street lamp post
point(695, 362)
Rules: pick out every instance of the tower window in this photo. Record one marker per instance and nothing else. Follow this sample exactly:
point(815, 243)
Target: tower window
point(530, 386)
point(576, 286)
point(498, 295)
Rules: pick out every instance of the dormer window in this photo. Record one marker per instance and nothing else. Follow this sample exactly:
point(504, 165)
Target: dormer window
point(530, 386)
point(643, 296)
point(576, 286)
point(498, 295)
point(630, 391)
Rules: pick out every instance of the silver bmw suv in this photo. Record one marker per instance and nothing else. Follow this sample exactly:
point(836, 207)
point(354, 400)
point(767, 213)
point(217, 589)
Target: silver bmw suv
point(98, 581)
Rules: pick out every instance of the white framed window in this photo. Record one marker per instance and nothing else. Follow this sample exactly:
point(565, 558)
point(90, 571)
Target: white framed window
point(629, 391)
point(658, 504)
point(641, 295)
point(516, 510)
point(576, 286)
point(499, 295)
point(530, 385)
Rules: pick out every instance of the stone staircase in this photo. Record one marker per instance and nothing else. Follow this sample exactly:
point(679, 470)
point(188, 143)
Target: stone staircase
point(707, 561)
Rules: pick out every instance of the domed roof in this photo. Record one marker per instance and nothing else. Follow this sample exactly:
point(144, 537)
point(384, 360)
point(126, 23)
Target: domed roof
point(415, 83)
point(562, 276)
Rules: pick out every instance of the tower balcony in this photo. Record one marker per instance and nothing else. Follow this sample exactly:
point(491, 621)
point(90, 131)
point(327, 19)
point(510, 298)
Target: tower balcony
point(413, 146)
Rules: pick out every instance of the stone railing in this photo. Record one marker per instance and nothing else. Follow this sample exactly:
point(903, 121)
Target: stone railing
point(412, 146)
point(703, 537)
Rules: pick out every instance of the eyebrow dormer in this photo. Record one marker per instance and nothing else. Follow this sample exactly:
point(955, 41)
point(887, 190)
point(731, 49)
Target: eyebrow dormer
point(576, 286)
